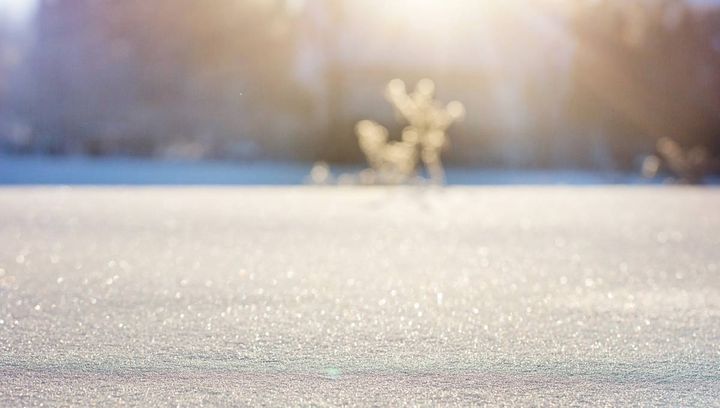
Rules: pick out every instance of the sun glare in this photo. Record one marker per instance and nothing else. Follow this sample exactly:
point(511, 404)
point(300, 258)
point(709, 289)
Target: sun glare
point(434, 11)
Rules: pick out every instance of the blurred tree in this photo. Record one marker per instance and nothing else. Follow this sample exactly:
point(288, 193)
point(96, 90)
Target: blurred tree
point(140, 77)
point(179, 78)
point(638, 76)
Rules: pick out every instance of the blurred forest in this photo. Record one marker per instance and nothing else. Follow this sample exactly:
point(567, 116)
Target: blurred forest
point(288, 79)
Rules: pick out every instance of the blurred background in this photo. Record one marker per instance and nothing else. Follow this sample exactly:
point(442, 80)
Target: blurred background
point(587, 85)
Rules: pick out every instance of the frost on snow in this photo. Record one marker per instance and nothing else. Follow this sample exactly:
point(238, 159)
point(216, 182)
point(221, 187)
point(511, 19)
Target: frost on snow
point(393, 297)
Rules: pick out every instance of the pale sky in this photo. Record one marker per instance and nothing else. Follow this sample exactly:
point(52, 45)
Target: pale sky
point(16, 11)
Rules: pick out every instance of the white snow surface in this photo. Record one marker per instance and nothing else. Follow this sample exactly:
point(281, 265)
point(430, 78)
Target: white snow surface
point(360, 296)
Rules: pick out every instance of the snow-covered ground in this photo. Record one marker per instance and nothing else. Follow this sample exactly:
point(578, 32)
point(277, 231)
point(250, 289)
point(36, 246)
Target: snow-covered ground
point(40, 170)
point(360, 296)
